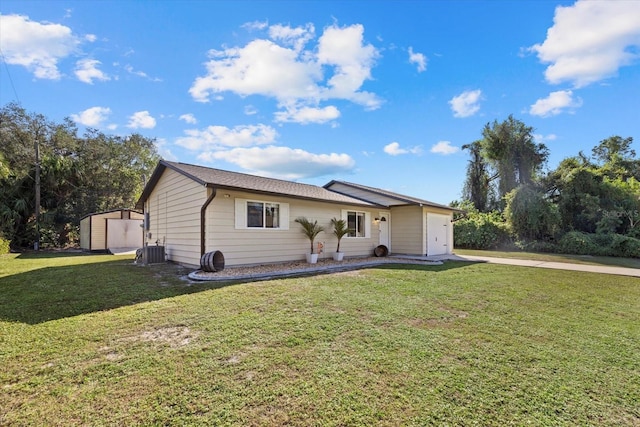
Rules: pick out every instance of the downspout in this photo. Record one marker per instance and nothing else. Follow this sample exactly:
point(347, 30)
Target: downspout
point(203, 217)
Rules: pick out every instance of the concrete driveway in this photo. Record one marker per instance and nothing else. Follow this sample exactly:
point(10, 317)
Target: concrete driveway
point(621, 271)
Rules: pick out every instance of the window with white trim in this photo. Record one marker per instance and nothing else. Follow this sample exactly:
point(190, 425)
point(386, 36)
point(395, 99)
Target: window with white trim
point(357, 223)
point(261, 215)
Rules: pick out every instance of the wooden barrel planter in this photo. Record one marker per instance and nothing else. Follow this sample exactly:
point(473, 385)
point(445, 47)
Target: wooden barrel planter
point(381, 251)
point(212, 261)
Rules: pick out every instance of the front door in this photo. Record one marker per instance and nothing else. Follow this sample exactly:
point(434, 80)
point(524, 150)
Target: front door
point(437, 234)
point(383, 226)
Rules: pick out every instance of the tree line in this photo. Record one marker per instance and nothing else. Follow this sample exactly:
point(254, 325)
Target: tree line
point(78, 175)
point(588, 204)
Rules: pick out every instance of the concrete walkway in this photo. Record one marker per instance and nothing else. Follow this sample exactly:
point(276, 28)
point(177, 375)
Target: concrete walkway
point(273, 272)
point(604, 269)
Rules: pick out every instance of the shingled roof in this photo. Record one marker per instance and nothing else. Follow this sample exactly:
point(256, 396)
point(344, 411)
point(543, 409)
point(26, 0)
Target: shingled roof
point(222, 179)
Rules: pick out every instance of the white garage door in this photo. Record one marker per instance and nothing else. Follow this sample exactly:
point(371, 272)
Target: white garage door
point(437, 234)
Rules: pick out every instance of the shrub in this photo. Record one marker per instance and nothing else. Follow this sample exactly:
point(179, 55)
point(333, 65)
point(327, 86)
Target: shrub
point(577, 242)
point(624, 246)
point(605, 244)
point(536, 246)
point(480, 231)
point(530, 215)
point(4, 245)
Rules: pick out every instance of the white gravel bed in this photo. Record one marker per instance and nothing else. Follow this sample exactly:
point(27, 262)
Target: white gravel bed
point(265, 271)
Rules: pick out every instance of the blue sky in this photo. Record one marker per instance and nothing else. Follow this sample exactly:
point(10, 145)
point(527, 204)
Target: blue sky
point(381, 93)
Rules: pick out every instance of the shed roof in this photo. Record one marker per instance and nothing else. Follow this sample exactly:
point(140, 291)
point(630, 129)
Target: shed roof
point(110, 211)
point(219, 178)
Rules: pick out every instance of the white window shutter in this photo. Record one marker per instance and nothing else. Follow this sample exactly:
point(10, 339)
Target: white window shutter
point(241, 213)
point(284, 216)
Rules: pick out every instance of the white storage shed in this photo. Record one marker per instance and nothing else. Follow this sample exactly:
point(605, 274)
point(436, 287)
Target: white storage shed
point(112, 231)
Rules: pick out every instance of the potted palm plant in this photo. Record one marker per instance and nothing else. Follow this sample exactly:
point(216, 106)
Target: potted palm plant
point(339, 230)
point(311, 230)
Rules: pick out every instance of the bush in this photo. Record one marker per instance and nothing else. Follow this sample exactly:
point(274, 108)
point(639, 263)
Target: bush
point(605, 244)
point(480, 231)
point(530, 215)
point(4, 245)
point(536, 246)
point(624, 246)
point(578, 243)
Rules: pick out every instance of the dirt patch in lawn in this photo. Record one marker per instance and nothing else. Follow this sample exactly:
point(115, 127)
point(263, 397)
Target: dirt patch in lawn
point(174, 336)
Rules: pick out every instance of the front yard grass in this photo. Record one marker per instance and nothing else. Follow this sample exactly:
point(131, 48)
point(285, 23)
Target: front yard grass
point(96, 340)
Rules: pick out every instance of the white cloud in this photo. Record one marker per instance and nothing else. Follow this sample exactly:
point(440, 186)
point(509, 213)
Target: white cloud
point(260, 68)
point(161, 146)
point(36, 46)
point(295, 37)
point(129, 69)
point(250, 110)
point(306, 115)
point(419, 59)
point(555, 104)
point(220, 137)
point(255, 25)
point(344, 49)
point(393, 149)
point(92, 117)
point(444, 148)
point(539, 138)
point(87, 71)
point(283, 162)
point(141, 119)
point(466, 104)
point(590, 40)
point(189, 118)
point(283, 69)
point(91, 37)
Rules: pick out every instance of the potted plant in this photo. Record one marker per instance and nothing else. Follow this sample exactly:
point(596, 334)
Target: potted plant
point(339, 230)
point(311, 230)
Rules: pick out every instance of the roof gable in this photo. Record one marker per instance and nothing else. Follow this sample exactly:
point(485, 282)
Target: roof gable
point(379, 196)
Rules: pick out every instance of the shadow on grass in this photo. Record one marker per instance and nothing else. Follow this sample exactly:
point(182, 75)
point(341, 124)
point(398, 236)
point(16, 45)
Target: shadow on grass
point(55, 292)
point(54, 286)
point(30, 254)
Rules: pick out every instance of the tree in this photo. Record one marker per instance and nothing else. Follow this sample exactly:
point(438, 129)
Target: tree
point(477, 186)
point(79, 175)
point(530, 214)
point(617, 158)
point(510, 150)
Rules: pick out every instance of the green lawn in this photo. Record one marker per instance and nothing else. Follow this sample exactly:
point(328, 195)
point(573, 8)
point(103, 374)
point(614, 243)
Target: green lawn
point(537, 256)
point(95, 340)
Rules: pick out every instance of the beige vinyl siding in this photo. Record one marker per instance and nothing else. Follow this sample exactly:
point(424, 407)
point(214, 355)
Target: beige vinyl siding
point(174, 217)
point(407, 230)
point(85, 233)
point(255, 246)
point(134, 215)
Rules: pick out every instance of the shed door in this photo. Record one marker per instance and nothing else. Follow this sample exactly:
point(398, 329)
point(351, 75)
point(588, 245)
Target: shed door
point(437, 234)
point(124, 233)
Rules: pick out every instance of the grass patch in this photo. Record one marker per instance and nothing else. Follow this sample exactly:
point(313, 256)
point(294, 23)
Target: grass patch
point(574, 259)
point(457, 344)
